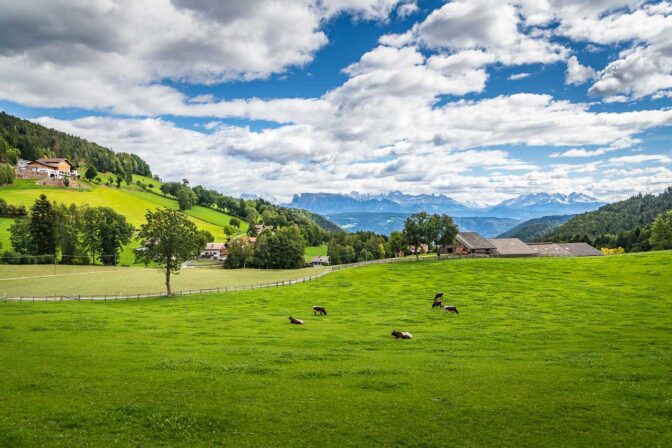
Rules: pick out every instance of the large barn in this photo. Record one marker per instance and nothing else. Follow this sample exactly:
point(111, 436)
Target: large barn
point(471, 243)
point(511, 247)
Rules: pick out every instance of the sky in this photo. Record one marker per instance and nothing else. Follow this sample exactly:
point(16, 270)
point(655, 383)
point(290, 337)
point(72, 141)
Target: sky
point(481, 100)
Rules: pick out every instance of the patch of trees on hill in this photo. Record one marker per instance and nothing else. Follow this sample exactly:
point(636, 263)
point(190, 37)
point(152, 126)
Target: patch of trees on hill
point(30, 141)
point(80, 235)
point(535, 228)
point(314, 228)
point(625, 224)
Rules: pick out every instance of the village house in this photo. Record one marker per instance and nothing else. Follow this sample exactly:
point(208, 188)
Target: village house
point(57, 168)
point(511, 247)
point(424, 248)
point(320, 260)
point(471, 243)
point(215, 251)
point(549, 250)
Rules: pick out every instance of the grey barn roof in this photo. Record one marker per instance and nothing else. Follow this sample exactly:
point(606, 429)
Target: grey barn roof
point(511, 246)
point(549, 250)
point(580, 249)
point(473, 241)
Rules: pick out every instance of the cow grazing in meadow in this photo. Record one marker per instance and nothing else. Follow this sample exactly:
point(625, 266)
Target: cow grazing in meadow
point(295, 321)
point(319, 310)
point(450, 309)
point(402, 335)
point(438, 300)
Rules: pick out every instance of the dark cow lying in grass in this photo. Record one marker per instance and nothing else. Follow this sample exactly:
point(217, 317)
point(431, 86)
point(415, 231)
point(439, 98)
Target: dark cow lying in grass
point(438, 300)
point(295, 321)
point(319, 310)
point(402, 335)
point(450, 309)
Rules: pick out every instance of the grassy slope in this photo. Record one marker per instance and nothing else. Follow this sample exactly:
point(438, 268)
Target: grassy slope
point(129, 200)
point(545, 352)
point(313, 251)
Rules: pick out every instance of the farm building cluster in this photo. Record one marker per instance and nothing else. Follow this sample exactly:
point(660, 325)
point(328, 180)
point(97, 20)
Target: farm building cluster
point(471, 243)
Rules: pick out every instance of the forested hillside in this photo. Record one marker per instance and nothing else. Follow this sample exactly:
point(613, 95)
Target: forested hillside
point(625, 223)
point(535, 228)
point(34, 141)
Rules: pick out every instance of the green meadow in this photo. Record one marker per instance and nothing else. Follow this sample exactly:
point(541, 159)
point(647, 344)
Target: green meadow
point(129, 200)
point(50, 280)
point(545, 352)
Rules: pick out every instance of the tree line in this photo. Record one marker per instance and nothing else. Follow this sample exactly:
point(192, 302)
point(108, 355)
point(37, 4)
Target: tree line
point(435, 231)
point(628, 224)
point(23, 139)
point(76, 234)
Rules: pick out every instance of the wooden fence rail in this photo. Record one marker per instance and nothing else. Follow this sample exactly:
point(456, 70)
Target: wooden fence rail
point(223, 289)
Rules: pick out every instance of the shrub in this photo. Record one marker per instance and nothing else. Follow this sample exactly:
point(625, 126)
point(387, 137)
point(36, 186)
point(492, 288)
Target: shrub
point(7, 174)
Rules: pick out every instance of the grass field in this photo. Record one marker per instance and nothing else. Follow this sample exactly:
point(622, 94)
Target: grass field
point(50, 280)
point(129, 200)
point(312, 251)
point(545, 352)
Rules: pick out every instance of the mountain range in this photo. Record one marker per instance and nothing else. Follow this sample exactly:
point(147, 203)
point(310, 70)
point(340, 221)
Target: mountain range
point(521, 208)
point(386, 223)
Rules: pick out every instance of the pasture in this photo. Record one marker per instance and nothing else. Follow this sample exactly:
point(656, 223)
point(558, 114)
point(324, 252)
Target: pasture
point(50, 280)
point(130, 201)
point(545, 352)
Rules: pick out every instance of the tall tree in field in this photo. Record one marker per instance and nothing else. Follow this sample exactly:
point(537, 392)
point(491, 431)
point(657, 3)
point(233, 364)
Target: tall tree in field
point(396, 243)
point(168, 239)
point(661, 231)
point(442, 231)
point(67, 232)
point(113, 233)
point(42, 227)
point(416, 230)
point(89, 225)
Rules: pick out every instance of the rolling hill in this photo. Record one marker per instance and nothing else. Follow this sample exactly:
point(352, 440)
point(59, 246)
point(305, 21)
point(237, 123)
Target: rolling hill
point(535, 228)
point(614, 219)
point(130, 201)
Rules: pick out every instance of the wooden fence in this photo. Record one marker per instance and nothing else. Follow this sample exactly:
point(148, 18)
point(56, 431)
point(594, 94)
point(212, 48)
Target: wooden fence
point(225, 289)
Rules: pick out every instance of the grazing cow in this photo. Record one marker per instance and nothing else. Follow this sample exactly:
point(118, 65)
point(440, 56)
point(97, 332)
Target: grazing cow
point(437, 305)
point(450, 309)
point(438, 300)
point(319, 310)
point(295, 321)
point(402, 335)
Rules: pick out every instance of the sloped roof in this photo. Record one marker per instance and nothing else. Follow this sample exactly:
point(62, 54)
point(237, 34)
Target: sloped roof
point(320, 259)
point(473, 241)
point(52, 161)
point(215, 246)
point(581, 249)
point(549, 250)
point(511, 246)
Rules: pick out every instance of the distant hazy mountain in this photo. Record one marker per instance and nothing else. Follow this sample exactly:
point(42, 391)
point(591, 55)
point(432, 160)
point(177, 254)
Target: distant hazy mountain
point(395, 202)
point(537, 205)
point(522, 207)
point(385, 223)
point(535, 228)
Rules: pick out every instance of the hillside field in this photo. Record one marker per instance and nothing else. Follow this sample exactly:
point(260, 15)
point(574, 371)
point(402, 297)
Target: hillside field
point(545, 352)
point(129, 200)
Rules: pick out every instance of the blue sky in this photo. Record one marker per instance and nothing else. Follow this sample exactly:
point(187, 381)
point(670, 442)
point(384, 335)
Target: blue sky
point(480, 100)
